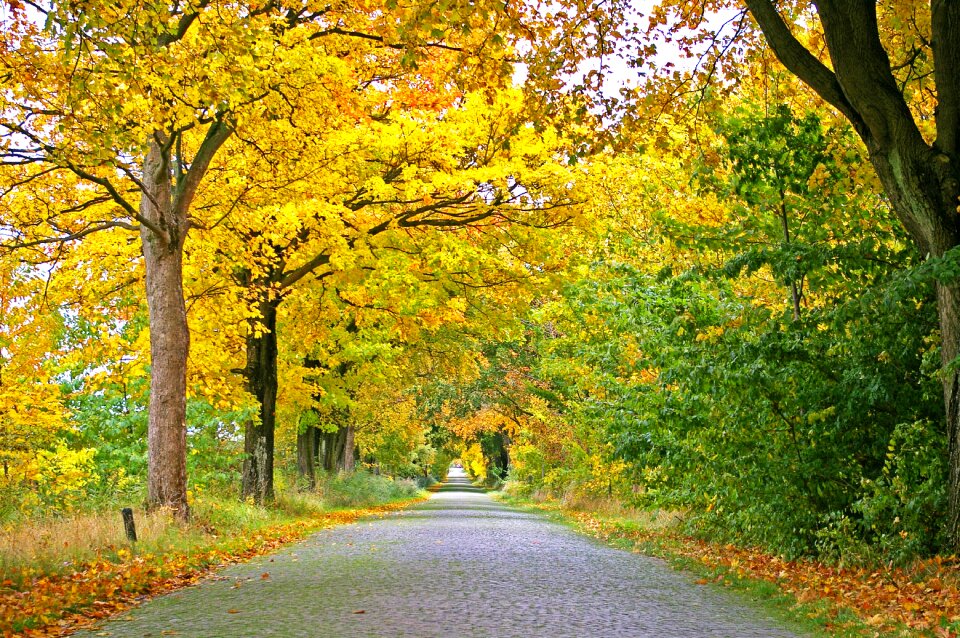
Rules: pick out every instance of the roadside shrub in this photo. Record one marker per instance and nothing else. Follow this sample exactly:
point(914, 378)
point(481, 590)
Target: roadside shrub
point(362, 489)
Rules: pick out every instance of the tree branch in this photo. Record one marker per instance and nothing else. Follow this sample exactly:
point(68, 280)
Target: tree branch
point(114, 194)
point(77, 235)
point(862, 66)
point(945, 22)
point(217, 134)
point(799, 61)
point(302, 271)
point(183, 26)
point(380, 39)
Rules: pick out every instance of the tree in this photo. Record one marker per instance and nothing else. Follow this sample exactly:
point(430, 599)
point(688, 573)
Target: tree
point(114, 95)
point(891, 70)
point(774, 158)
point(470, 174)
point(137, 101)
point(920, 174)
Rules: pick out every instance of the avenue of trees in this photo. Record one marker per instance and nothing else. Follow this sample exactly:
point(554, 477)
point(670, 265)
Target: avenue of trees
point(700, 259)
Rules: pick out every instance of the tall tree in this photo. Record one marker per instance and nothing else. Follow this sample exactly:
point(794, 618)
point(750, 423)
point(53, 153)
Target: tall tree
point(920, 175)
point(892, 70)
point(359, 199)
point(138, 99)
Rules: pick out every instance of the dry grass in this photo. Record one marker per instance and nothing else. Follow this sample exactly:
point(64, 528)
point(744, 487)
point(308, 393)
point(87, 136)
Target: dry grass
point(611, 508)
point(606, 507)
point(57, 543)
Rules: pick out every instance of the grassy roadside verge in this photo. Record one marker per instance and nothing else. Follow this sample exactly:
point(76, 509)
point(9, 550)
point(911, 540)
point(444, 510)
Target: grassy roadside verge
point(819, 599)
point(41, 598)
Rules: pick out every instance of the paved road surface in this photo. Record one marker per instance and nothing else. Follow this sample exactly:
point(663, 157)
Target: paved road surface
point(458, 565)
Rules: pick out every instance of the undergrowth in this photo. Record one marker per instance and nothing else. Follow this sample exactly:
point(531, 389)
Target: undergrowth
point(50, 545)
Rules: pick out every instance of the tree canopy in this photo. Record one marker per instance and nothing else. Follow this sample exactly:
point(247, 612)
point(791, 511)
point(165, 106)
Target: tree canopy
point(698, 259)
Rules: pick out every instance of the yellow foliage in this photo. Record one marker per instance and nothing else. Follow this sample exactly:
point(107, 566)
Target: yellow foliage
point(604, 474)
point(474, 463)
point(60, 476)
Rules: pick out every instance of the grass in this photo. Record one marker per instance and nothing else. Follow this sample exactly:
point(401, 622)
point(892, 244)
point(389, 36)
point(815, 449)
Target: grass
point(361, 489)
point(56, 545)
point(45, 546)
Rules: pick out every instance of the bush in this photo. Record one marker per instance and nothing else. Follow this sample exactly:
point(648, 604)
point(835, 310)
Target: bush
point(903, 508)
point(362, 489)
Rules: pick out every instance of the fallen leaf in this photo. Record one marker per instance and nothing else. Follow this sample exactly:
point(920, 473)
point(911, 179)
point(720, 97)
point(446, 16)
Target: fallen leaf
point(101, 588)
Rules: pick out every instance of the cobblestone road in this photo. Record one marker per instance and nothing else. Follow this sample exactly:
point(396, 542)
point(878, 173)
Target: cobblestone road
point(459, 565)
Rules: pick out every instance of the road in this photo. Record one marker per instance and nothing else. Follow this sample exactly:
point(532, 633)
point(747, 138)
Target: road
point(458, 565)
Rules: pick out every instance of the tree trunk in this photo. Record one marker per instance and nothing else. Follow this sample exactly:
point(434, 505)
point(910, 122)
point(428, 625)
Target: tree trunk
point(921, 180)
point(309, 441)
point(336, 450)
point(948, 303)
point(785, 227)
point(505, 453)
point(334, 444)
point(329, 459)
point(306, 441)
point(261, 372)
point(347, 463)
point(923, 187)
point(169, 337)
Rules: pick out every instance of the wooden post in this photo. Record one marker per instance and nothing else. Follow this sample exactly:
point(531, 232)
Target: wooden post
point(128, 524)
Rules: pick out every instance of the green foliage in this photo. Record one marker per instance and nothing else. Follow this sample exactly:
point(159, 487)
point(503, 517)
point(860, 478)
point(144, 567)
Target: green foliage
point(216, 451)
point(360, 489)
point(113, 421)
point(101, 460)
point(765, 429)
point(900, 511)
point(804, 427)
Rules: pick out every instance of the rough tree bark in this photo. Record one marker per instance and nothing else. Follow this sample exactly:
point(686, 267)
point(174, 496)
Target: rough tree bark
point(347, 463)
point(317, 448)
point(921, 180)
point(164, 223)
point(261, 377)
point(308, 442)
point(169, 337)
point(328, 442)
point(334, 449)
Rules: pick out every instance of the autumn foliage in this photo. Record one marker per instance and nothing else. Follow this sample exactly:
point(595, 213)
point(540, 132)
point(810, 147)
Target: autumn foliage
point(698, 257)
